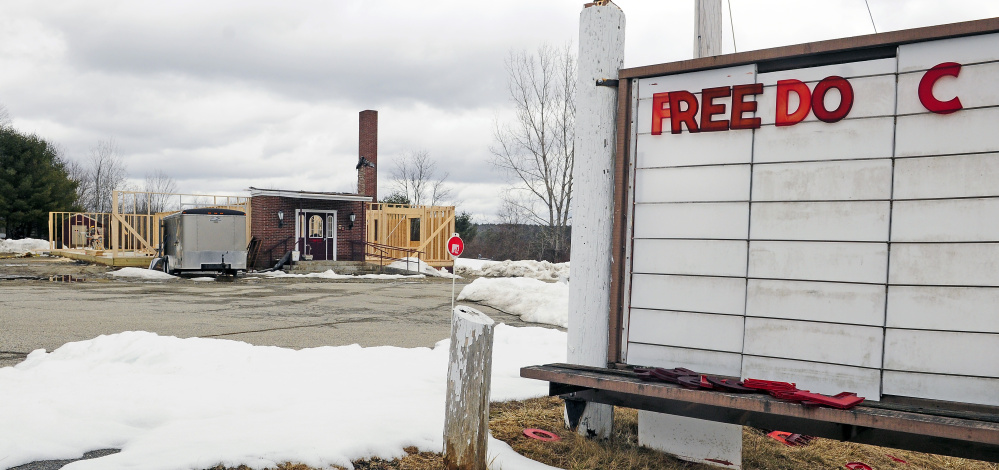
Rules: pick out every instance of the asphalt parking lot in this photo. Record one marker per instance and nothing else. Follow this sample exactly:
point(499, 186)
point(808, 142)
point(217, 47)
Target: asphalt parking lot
point(46, 302)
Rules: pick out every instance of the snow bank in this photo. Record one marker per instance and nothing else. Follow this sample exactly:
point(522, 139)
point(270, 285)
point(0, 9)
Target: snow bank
point(530, 299)
point(415, 264)
point(142, 273)
point(24, 245)
point(542, 270)
point(174, 403)
point(330, 274)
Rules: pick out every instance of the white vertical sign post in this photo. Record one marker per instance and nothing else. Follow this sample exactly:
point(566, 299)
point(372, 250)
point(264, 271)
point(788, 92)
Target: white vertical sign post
point(454, 247)
point(601, 55)
point(690, 438)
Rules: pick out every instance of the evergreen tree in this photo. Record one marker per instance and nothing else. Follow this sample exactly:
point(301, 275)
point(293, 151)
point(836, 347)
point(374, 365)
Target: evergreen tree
point(465, 228)
point(33, 182)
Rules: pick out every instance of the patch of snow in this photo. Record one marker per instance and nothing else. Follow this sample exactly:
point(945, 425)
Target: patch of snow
point(501, 456)
point(530, 299)
point(142, 273)
point(202, 279)
point(24, 245)
point(542, 270)
point(330, 274)
point(417, 265)
point(172, 403)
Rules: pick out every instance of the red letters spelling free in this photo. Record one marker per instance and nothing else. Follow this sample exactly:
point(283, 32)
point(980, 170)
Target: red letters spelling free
point(681, 106)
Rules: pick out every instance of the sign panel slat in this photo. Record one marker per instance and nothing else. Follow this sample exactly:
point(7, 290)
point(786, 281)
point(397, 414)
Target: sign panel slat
point(810, 141)
point(830, 221)
point(790, 339)
point(818, 261)
point(943, 308)
point(942, 352)
point(700, 330)
point(693, 257)
point(947, 177)
point(837, 302)
point(823, 181)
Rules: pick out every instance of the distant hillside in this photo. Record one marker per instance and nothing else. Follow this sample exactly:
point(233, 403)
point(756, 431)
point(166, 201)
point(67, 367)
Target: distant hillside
point(512, 241)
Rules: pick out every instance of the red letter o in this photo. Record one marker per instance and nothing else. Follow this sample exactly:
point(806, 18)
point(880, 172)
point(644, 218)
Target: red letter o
point(845, 103)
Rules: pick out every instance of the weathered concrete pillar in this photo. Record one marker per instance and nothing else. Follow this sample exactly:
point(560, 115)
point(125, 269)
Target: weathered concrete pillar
point(469, 372)
point(601, 55)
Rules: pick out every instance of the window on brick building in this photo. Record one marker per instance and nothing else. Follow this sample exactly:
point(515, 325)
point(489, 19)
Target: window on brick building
point(316, 226)
point(330, 227)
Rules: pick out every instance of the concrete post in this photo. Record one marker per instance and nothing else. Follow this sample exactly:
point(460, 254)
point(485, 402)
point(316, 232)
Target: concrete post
point(601, 55)
point(469, 372)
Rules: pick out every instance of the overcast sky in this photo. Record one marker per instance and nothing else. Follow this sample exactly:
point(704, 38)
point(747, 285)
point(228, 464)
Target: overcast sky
point(225, 95)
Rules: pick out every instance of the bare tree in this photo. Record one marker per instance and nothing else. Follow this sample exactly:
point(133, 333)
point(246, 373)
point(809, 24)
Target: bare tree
point(536, 150)
point(104, 173)
point(416, 177)
point(159, 186)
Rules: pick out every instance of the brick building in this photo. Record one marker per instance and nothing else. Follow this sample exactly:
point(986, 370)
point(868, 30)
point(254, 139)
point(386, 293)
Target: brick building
point(319, 225)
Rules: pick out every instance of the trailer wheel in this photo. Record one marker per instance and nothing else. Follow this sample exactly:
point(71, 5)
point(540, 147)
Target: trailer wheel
point(166, 265)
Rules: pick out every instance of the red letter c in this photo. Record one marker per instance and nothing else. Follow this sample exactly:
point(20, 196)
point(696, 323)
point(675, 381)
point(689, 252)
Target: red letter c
point(930, 102)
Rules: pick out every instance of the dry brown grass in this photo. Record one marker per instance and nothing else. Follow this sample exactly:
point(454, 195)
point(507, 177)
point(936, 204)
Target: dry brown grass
point(508, 420)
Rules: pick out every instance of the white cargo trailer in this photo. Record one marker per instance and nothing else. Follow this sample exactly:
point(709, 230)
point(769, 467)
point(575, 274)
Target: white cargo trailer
point(206, 239)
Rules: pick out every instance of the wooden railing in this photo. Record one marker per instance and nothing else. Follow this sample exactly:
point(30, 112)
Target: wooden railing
point(383, 253)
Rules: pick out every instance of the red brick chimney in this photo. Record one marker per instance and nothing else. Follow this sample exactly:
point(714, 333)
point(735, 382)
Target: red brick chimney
point(367, 152)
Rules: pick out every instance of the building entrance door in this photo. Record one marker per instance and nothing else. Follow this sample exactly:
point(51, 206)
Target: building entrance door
point(317, 235)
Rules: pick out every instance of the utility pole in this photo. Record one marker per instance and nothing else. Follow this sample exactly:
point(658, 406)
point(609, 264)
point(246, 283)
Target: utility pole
point(601, 55)
point(707, 28)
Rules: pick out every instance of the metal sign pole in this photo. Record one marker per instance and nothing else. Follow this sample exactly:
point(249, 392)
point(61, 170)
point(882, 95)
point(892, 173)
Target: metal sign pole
point(454, 248)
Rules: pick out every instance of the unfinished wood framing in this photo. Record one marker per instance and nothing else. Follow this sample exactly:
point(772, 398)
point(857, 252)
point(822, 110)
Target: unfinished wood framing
point(131, 230)
point(423, 229)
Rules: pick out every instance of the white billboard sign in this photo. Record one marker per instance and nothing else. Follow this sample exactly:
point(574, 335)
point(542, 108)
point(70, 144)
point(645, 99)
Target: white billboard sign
point(835, 226)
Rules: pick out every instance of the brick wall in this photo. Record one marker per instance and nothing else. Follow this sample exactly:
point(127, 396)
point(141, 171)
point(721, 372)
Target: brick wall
point(367, 147)
point(276, 241)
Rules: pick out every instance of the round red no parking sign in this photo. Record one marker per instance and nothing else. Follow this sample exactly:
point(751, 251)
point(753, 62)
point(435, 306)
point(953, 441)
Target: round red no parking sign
point(455, 246)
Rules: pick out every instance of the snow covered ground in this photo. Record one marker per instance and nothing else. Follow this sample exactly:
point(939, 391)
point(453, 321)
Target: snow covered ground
point(24, 245)
point(415, 264)
point(530, 299)
point(542, 270)
point(330, 274)
point(173, 403)
point(142, 273)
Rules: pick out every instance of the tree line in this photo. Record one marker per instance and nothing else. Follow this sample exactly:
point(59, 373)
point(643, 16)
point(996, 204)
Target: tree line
point(36, 177)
